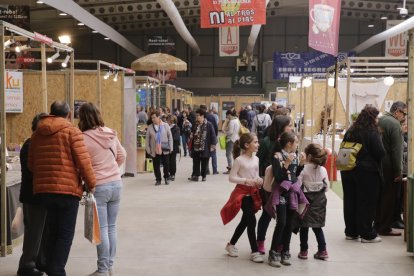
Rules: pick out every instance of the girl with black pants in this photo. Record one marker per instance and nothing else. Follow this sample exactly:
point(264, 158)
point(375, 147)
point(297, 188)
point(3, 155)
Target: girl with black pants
point(244, 172)
point(175, 132)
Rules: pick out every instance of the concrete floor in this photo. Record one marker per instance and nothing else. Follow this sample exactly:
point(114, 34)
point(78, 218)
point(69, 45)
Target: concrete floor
point(177, 230)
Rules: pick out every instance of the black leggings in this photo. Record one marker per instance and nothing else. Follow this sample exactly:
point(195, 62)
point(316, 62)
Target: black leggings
point(283, 229)
point(320, 238)
point(248, 221)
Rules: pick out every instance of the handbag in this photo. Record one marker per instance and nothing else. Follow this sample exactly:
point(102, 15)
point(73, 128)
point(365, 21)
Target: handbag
point(222, 142)
point(347, 155)
point(92, 231)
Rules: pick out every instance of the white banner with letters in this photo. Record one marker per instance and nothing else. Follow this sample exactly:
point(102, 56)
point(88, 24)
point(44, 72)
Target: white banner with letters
point(229, 41)
point(396, 46)
point(13, 83)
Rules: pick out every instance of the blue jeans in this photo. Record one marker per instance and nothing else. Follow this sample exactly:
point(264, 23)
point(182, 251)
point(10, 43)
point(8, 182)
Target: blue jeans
point(108, 197)
point(184, 141)
point(213, 155)
point(229, 153)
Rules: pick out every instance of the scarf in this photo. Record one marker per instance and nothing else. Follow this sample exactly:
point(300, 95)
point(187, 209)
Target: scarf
point(200, 136)
point(158, 149)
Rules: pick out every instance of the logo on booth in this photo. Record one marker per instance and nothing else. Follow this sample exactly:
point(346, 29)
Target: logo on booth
point(12, 82)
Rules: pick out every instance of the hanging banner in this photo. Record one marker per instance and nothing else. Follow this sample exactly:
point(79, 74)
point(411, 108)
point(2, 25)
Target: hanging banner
point(161, 44)
point(286, 65)
point(362, 94)
point(396, 46)
point(13, 82)
point(221, 13)
point(229, 41)
point(324, 18)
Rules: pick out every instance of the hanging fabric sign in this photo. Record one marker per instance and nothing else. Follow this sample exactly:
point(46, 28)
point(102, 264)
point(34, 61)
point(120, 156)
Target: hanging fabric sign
point(221, 13)
point(396, 46)
point(363, 93)
point(324, 17)
point(229, 41)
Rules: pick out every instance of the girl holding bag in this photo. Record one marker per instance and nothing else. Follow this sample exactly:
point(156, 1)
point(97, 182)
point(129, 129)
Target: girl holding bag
point(107, 155)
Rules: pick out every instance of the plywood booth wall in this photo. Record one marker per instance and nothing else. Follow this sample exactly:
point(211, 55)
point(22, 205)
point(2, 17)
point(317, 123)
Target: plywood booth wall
point(239, 101)
point(86, 83)
point(397, 92)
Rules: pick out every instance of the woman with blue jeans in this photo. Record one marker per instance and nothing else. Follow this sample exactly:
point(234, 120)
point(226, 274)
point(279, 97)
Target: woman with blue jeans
point(107, 154)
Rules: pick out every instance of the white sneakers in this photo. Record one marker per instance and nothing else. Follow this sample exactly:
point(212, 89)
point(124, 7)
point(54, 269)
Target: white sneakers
point(374, 240)
point(256, 257)
point(232, 251)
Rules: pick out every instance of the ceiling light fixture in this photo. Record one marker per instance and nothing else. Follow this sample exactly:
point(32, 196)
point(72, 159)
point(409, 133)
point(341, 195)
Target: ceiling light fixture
point(370, 26)
point(384, 17)
point(63, 14)
point(116, 77)
point(65, 39)
point(52, 58)
point(307, 82)
point(107, 75)
point(65, 62)
point(39, 2)
point(8, 42)
point(81, 24)
point(389, 81)
point(20, 48)
point(331, 82)
point(95, 32)
point(106, 38)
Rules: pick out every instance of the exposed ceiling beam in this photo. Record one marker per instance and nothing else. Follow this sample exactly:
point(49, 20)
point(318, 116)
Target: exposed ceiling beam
point(94, 23)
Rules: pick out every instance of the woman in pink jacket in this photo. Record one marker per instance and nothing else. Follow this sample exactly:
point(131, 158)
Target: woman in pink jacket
point(107, 154)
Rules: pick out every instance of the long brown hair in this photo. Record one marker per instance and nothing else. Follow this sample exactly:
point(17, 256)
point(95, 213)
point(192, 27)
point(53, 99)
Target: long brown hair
point(245, 138)
point(89, 117)
point(317, 154)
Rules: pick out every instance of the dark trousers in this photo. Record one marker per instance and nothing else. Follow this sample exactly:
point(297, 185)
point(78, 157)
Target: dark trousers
point(62, 211)
point(213, 156)
point(34, 217)
point(283, 230)
point(184, 141)
point(157, 160)
point(248, 221)
point(399, 199)
point(387, 203)
point(361, 190)
point(262, 226)
point(320, 238)
point(265, 219)
point(197, 162)
point(172, 163)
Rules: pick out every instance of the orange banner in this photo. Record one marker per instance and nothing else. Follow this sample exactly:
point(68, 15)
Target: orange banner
point(221, 13)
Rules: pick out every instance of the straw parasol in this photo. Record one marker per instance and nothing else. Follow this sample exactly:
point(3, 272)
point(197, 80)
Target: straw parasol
point(159, 61)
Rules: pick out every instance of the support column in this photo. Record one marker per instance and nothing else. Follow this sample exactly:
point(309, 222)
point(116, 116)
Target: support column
point(44, 79)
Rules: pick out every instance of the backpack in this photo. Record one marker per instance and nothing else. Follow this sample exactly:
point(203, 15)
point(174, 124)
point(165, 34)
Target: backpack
point(261, 128)
point(268, 179)
point(347, 155)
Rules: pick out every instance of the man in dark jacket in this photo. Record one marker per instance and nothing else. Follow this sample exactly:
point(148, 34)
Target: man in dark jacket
point(59, 161)
point(34, 214)
point(390, 125)
point(213, 155)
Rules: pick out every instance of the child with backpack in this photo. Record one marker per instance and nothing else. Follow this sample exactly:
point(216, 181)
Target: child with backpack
point(286, 166)
point(315, 183)
point(245, 196)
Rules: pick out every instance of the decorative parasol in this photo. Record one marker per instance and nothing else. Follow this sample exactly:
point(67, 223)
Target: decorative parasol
point(159, 62)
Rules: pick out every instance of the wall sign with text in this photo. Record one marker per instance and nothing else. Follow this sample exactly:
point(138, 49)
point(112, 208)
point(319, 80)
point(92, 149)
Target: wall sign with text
point(246, 80)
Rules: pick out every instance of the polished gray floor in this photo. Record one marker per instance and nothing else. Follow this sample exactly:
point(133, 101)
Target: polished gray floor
point(177, 230)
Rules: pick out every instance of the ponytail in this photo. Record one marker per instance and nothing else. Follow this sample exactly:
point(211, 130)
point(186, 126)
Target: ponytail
point(245, 138)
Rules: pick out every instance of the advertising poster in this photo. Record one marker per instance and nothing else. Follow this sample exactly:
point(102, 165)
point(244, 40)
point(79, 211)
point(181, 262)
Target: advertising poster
point(229, 41)
point(226, 106)
point(324, 18)
point(14, 91)
point(222, 13)
point(16, 15)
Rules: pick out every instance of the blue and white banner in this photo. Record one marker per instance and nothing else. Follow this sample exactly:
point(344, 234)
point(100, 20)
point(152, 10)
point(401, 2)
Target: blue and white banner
point(299, 64)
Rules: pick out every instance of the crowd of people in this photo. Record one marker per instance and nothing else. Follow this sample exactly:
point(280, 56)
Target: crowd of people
point(59, 162)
